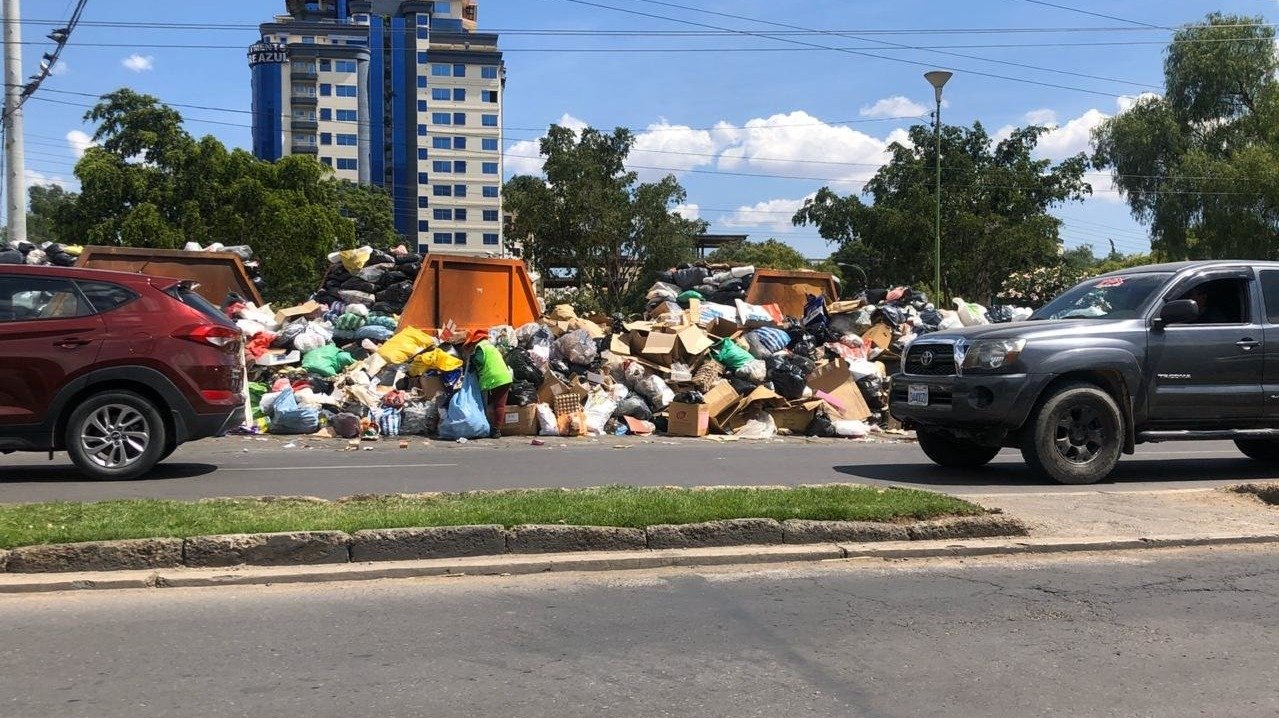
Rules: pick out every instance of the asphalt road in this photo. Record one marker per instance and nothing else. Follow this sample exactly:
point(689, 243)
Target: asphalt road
point(1161, 634)
point(237, 466)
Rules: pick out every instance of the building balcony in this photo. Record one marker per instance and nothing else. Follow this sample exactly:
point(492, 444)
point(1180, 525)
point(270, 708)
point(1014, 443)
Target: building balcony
point(305, 149)
point(304, 99)
point(303, 73)
point(304, 123)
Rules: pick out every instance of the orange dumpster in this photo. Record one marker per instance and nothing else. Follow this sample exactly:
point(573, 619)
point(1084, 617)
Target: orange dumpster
point(473, 292)
point(787, 289)
point(218, 273)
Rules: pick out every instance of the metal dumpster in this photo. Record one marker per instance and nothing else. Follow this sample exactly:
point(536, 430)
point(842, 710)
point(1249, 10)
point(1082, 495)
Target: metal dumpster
point(218, 273)
point(787, 289)
point(473, 292)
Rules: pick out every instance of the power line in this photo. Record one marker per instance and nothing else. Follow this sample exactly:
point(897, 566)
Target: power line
point(1097, 14)
point(60, 37)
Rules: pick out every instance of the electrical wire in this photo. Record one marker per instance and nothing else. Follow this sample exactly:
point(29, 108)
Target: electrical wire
point(61, 37)
point(1096, 14)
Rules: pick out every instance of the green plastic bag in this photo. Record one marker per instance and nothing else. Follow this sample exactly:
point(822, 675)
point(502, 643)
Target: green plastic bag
point(730, 355)
point(690, 295)
point(256, 391)
point(326, 361)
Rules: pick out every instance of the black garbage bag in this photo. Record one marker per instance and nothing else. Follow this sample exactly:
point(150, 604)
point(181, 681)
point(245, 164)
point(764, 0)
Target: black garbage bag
point(284, 338)
point(821, 425)
point(636, 407)
point(705, 290)
point(62, 259)
point(742, 386)
point(396, 276)
point(411, 269)
point(11, 256)
point(396, 294)
point(876, 296)
point(891, 315)
point(726, 297)
point(383, 308)
point(918, 300)
point(260, 284)
point(374, 273)
point(561, 368)
point(872, 388)
point(690, 277)
point(733, 285)
point(522, 366)
point(690, 397)
point(542, 337)
point(359, 285)
point(789, 374)
point(930, 318)
point(1000, 314)
point(522, 393)
point(409, 258)
point(319, 384)
point(380, 257)
point(337, 273)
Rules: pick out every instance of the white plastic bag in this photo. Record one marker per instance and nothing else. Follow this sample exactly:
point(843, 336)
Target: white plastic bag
point(547, 424)
point(599, 409)
point(657, 391)
point(681, 373)
point(970, 315)
point(662, 291)
point(761, 427)
point(852, 429)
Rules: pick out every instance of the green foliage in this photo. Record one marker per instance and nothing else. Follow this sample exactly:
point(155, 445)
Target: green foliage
point(50, 205)
point(1201, 164)
point(593, 216)
point(769, 254)
point(995, 202)
point(1079, 259)
point(150, 184)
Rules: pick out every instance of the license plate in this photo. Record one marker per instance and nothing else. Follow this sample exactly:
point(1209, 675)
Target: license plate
point(918, 395)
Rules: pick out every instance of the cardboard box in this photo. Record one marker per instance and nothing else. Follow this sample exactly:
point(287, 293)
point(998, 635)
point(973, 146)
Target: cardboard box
point(721, 398)
point(666, 348)
point(881, 335)
point(834, 384)
point(688, 420)
point(519, 421)
point(301, 310)
point(796, 417)
point(724, 329)
point(563, 397)
point(762, 398)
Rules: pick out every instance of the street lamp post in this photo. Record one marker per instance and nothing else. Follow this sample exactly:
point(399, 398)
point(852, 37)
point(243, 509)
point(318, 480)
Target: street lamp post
point(937, 78)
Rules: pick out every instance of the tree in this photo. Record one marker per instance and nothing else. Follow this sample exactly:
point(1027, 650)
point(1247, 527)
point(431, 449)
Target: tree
point(150, 184)
point(50, 206)
point(592, 217)
point(769, 254)
point(995, 202)
point(1200, 164)
point(1079, 259)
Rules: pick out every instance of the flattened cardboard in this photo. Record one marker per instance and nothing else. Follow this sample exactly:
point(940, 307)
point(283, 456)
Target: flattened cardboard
point(761, 399)
point(721, 398)
point(301, 310)
point(834, 384)
point(688, 420)
point(796, 417)
point(881, 335)
point(519, 421)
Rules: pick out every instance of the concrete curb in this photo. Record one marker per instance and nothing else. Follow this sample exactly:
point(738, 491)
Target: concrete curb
point(517, 564)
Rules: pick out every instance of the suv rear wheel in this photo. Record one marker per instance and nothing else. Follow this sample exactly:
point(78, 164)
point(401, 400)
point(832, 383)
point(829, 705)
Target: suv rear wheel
point(1259, 449)
point(116, 435)
point(1075, 435)
point(955, 453)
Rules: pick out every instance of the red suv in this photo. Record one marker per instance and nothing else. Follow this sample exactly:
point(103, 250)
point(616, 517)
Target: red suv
point(116, 369)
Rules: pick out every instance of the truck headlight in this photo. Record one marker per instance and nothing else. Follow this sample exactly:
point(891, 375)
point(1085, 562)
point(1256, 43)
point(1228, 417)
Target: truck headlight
point(993, 354)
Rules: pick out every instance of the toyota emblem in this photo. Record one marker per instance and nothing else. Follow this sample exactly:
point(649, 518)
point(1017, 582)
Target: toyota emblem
point(926, 359)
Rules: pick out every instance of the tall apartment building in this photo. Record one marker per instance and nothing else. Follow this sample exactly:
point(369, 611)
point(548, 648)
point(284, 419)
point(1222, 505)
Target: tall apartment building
point(404, 95)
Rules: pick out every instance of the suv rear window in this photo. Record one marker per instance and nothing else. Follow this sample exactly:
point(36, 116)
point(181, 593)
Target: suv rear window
point(198, 303)
point(25, 299)
point(104, 297)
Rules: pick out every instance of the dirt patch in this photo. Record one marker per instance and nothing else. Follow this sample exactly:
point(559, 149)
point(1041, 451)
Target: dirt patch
point(1267, 493)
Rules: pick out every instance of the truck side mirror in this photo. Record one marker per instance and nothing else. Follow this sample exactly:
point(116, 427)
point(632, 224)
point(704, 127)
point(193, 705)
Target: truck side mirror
point(1182, 311)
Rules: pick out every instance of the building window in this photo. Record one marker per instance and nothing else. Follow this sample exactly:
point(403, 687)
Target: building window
point(490, 215)
point(459, 118)
point(347, 91)
point(443, 8)
point(441, 94)
point(344, 66)
point(490, 168)
point(459, 190)
point(424, 33)
point(348, 116)
point(459, 94)
point(443, 238)
point(442, 215)
point(421, 58)
point(347, 163)
point(488, 144)
point(459, 167)
point(441, 70)
point(328, 161)
point(326, 90)
point(488, 72)
point(326, 114)
point(441, 118)
point(423, 226)
point(326, 65)
point(423, 202)
point(422, 153)
point(489, 120)
point(421, 130)
point(459, 215)
point(459, 70)
point(326, 138)
point(441, 190)
point(308, 40)
point(421, 82)
point(440, 143)
point(347, 140)
point(421, 106)
point(490, 95)
point(490, 238)
point(442, 166)
point(490, 190)
point(459, 143)
point(423, 178)
point(459, 238)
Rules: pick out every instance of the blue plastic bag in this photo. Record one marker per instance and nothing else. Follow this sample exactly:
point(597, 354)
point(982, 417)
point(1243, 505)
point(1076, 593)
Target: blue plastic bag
point(288, 417)
point(465, 418)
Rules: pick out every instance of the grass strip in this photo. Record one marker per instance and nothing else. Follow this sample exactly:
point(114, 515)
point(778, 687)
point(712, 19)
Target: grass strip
point(69, 522)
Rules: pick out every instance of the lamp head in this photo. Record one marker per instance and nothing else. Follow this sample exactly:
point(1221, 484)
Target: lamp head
point(938, 79)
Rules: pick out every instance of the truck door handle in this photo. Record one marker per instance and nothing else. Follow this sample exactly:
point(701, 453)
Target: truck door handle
point(71, 343)
point(1247, 344)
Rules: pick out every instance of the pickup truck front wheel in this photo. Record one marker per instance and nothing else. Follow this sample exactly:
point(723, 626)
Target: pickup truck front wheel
point(1259, 449)
point(1076, 435)
point(955, 453)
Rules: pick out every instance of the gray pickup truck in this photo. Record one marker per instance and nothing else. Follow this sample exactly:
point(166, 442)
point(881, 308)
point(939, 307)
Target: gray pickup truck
point(1168, 352)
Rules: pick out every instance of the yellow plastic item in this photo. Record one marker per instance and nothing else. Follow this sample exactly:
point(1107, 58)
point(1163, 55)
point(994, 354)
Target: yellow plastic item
point(73, 249)
point(434, 360)
point(406, 344)
point(355, 259)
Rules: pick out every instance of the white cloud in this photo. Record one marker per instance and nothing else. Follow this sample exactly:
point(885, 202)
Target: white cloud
point(60, 68)
point(1127, 102)
point(688, 211)
point(1071, 138)
point(1043, 116)
point(139, 63)
point(79, 141)
point(895, 106)
point(39, 178)
point(674, 148)
point(799, 144)
point(524, 157)
point(773, 214)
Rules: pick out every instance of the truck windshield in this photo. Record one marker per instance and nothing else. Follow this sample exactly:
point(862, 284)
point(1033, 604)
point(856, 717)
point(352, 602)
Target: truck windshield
point(1110, 297)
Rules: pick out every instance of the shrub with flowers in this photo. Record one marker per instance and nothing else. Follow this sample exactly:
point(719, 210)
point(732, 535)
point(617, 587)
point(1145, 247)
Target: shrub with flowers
point(584, 300)
point(1037, 287)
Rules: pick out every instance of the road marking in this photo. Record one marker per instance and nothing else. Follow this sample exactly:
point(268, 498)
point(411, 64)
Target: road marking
point(345, 467)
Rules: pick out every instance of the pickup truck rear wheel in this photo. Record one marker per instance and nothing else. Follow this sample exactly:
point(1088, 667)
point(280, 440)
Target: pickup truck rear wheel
point(955, 453)
point(1076, 435)
point(1259, 449)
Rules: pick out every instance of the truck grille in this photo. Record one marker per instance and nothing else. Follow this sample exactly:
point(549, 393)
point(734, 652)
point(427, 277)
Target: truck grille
point(942, 360)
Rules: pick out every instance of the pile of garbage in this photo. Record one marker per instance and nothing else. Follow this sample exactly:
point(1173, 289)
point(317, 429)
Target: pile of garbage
point(45, 254)
point(907, 314)
point(381, 281)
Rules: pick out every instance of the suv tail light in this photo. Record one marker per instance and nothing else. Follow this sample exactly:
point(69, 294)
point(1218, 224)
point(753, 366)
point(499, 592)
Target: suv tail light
point(215, 335)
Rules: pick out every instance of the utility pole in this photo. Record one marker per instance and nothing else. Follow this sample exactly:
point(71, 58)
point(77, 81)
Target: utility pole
point(15, 162)
point(937, 78)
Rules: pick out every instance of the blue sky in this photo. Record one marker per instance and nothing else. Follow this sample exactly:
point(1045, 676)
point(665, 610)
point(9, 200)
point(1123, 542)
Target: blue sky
point(739, 118)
